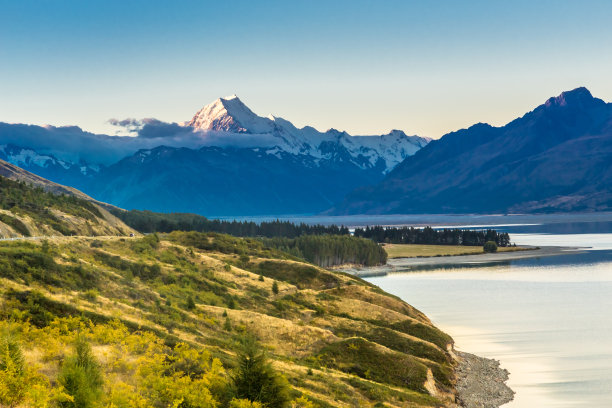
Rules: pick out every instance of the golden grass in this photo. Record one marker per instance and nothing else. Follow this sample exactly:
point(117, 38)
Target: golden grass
point(414, 250)
point(286, 337)
point(293, 336)
point(365, 294)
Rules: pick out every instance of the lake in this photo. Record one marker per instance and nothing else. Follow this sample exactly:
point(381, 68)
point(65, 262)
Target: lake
point(548, 320)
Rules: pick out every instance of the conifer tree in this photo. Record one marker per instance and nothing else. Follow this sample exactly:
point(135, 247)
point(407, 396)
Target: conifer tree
point(256, 380)
point(81, 377)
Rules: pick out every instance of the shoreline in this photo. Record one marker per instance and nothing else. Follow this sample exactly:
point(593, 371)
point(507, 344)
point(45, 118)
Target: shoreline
point(481, 382)
point(395, 265)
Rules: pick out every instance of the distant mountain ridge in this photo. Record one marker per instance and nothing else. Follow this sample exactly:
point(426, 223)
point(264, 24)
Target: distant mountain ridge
point(225, 161)
point(228, 181)
point(557, 157)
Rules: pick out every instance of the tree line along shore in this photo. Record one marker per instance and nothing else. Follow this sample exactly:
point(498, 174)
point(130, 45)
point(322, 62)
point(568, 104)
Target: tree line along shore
point(323, 245)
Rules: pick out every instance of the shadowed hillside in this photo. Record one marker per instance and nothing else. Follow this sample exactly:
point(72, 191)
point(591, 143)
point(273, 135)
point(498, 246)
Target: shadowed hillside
point(556, 158)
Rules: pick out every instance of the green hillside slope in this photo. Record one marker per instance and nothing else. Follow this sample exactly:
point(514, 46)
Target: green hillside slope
point(163, 320)
point(337, 339)
point(30, 211)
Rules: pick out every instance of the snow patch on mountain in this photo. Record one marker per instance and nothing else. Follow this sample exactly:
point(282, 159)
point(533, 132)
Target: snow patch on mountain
point(29, 158)
point(232, 116)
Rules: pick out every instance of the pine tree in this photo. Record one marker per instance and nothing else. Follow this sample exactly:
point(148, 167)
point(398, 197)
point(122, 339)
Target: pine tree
point(227, 326)
point(81, 377)
point(190, 303)
point(256, 380)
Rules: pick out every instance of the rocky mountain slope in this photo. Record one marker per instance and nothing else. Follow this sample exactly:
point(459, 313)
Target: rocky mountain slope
point(556, 158)
point(31, 206)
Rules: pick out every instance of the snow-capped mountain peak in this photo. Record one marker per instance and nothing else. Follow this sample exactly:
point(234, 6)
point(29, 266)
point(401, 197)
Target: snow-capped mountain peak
point(229, 114)
point(232, 116)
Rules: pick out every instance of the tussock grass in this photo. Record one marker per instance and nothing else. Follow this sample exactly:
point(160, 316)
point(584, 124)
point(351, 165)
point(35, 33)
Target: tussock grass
point(361, 345)
point(414, 250)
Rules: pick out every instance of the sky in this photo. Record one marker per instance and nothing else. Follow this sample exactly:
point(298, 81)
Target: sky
point(425, 67)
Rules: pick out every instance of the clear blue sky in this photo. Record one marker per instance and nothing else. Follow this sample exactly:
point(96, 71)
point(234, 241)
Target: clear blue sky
point(426, 67)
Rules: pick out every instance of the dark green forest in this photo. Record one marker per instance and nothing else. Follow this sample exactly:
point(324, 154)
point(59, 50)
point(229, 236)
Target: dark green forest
point(322, 250)
point(330, 250)
point(430, 236)
point(148, 221)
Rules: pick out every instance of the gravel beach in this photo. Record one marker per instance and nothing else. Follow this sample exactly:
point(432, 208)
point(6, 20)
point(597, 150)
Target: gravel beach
point(481, 382)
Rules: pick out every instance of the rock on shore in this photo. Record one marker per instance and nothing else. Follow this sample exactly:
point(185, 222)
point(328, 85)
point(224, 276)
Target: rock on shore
point(481, 382)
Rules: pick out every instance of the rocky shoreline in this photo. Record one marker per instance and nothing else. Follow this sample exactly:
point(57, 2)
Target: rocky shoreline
point(481, 382)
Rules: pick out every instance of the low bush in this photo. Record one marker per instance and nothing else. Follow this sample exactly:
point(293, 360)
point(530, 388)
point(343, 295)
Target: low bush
point(490, 247)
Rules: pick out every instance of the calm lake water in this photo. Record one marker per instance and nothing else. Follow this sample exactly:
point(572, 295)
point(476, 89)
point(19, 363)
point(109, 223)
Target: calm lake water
point(548, 320)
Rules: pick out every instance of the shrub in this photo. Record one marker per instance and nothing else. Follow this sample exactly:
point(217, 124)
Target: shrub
point(96, 244)
point(368, 360)
point(227, 326)
point(146, 244)
point(12, 372)
point(190, 303)
point(91, 295)
point(81, 377)
point(302, 402)
point(244, 403)
point(21, 385)
point(305, 276)
point(490, 247)
point(275, 288)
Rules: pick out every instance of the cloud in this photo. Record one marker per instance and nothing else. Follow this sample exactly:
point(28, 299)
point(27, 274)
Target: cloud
point(73, 144)
point(129, 122)
point(155, 129)
point(149, 128)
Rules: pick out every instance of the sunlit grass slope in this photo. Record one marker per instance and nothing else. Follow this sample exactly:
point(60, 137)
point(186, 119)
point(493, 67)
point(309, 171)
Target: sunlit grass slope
point(166, 313)
point(415, 250)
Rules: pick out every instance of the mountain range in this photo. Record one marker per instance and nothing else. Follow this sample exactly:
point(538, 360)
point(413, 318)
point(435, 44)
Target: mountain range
point(225, 161)
point(228, 161)
point(556, 158)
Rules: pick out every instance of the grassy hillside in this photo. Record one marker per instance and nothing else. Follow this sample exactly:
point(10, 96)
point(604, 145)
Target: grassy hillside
point(190, 319)
point(322, 245)
point(164, 317)
point(31, 211)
